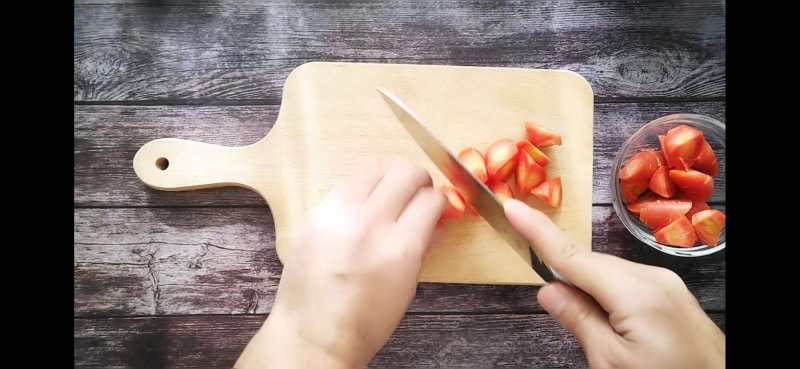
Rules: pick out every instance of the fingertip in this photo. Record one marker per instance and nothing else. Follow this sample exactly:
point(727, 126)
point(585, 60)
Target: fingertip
point(552, 298)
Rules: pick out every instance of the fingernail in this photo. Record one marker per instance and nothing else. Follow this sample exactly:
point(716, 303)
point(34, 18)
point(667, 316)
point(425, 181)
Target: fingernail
point(514, 206)
point(552, 298)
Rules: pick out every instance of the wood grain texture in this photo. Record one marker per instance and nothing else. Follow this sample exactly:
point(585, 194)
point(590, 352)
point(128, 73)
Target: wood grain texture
point(421, 341)
point(107, 137)
point(222, 50)
point(154, 261)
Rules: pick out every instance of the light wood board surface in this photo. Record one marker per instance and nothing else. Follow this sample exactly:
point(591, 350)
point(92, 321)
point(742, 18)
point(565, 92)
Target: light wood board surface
point(332, 118)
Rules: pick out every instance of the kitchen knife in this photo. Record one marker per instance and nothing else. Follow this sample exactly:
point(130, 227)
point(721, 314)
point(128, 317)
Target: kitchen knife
point(474, 191)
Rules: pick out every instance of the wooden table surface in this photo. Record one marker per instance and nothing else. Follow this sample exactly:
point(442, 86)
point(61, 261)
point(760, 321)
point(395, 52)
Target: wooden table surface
point(169, 280)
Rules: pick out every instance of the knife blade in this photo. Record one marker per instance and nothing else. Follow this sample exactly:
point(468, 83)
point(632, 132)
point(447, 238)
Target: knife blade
point(475, 191)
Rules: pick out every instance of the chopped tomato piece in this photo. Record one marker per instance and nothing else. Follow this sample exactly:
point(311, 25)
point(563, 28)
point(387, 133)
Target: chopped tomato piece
point(697, 206)
point(643, 201)
point(501, 160)
point(534, 152)
point(455, 204)
point(632, 189)
point(549, 191)
point(473, 160)
point(709, 224)
point(640, 166)
point(707, 161)
point(660, 213)
point(684, 144)
point(667, 158)
point(529, 174)
point(694, 185)
point(677, 233)
point(660, 183)
point(540, 136)
point(502, 190)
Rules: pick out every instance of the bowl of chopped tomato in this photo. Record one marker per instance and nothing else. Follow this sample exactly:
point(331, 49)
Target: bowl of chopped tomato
point(668, 185)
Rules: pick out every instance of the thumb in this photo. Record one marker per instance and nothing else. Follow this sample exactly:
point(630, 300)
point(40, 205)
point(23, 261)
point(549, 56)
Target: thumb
point(579, 314)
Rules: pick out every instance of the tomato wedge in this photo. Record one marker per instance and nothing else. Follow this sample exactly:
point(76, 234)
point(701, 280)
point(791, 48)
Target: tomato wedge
point(678, 233)
point(502, 190)
point(501, 159)
point(549, 191)
point(455, 204)
point(660, 213)
point(694, 185)
point(632, 189)
point(684, 144)
point(660, 183)
point(473, 160)
point(697, 206)
point(641, 202)
point(709, 224)
point(529, 174)
point(641, 166)
point(707, 161)
point(669, 160)
point(534, 152)
point(540, 136)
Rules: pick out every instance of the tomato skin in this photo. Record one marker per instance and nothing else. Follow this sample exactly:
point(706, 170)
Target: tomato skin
point(501, 160)
point(678, 233)
point(706, 161)
point(644, 200)
point(683, 143)
point(661, 213)
point(708, 225)
point(640, 166)
point(693, 184)
point(475, 163)
point(661, 184)
point(529, 174)
point(502, 190)
point(549, 191)
point(538, 156)
point(541, 136)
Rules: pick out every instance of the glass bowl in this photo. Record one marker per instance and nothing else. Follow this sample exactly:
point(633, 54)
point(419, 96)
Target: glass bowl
point(647, 137)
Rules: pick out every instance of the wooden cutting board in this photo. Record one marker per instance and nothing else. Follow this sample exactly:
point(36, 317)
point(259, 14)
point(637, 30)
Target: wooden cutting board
point(332, 117)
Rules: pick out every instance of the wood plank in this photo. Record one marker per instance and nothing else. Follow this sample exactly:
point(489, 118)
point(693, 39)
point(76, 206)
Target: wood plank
point(153, 261)
point(107, 137)
point(421, 341)
point(245, 50)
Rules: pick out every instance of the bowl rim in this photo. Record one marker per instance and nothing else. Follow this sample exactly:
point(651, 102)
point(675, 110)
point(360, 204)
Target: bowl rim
point(617, 203)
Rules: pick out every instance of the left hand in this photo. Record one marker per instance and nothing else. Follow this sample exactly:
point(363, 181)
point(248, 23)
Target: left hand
point(349, 280)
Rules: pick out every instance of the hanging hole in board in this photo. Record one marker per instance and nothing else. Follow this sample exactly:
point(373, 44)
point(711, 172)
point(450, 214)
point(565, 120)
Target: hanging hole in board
point(162, 163)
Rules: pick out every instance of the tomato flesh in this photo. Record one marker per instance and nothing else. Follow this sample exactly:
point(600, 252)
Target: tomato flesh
point(501, 160)
point(641, 166)
point(693, 184)
point(549, 191)
point(473, 160)
point(540, 136)
point(678, 233)
point(538, 156)
point(684, 144)
point(661, 184)
point(708, 225)
point(661, 213)
point(707, 161)
point(529, 174)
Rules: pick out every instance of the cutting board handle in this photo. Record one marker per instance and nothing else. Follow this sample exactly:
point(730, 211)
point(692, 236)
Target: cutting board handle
point(173, 164)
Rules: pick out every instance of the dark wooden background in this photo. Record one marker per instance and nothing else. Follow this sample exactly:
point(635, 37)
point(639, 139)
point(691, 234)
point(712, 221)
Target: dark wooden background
point(182, 280)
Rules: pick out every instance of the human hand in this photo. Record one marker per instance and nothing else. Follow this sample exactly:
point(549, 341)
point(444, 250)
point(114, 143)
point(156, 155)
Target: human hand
point(625, 315)
point(348, 281)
